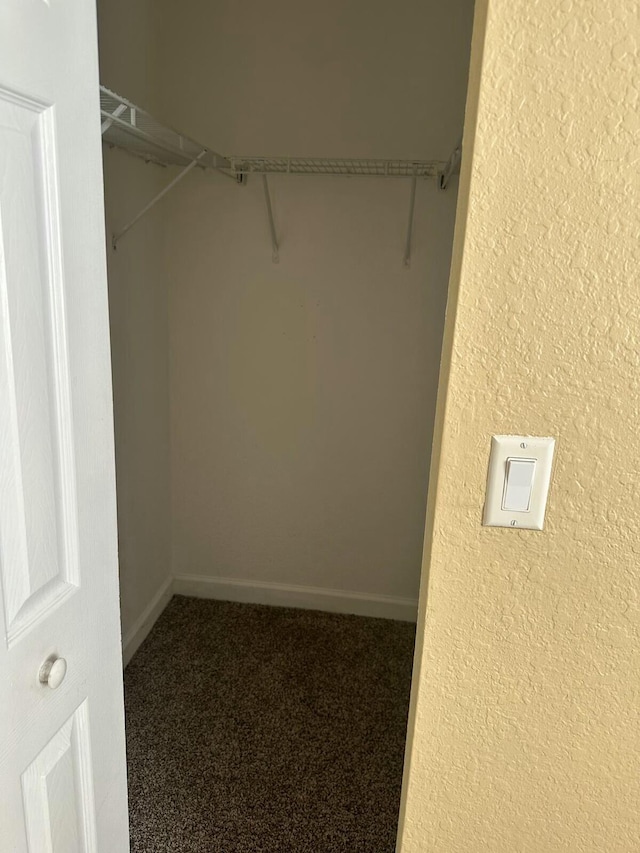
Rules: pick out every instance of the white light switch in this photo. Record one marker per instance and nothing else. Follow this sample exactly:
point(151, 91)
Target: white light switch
point(518, 484)
point(518, 481)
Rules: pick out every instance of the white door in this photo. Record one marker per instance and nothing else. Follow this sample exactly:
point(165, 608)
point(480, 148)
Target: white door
point(62, 756)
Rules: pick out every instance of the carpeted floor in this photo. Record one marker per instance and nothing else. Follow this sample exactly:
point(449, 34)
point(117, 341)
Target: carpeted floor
point(257, 729)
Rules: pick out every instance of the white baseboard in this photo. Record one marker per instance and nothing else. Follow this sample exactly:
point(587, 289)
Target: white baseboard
point(289, 595)
point(140, 629)
point(274, 594)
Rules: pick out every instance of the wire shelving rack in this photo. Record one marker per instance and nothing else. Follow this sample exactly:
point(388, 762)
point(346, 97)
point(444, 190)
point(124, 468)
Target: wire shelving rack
point(127, 126)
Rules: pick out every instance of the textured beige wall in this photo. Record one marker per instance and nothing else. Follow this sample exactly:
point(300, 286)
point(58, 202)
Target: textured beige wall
point(139, 321)
point(525, 729)
point(303, 393)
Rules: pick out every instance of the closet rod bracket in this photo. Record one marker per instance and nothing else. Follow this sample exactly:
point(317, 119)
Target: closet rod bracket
point(117, 237)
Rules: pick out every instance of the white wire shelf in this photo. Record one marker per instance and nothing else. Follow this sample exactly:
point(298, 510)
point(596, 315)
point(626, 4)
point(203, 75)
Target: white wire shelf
point(127, 126)
point(329, 166)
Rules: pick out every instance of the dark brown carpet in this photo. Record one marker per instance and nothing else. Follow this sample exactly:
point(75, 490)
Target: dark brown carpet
point(257, 729)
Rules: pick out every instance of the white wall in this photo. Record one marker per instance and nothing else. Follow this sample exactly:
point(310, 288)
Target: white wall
point(300, 397)
point(342, 78)
point(139, 329)
point(303, 394)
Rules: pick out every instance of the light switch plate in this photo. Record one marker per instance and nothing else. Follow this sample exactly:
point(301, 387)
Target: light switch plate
point(507, 447)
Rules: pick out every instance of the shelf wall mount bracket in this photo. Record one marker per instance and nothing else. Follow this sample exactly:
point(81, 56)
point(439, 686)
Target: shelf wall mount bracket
point(108, 122)
point(275, 249)
point(452, 166)
point(406, 260)
point(120, 234)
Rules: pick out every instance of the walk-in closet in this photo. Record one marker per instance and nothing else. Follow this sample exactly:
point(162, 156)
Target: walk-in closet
point(280, 192)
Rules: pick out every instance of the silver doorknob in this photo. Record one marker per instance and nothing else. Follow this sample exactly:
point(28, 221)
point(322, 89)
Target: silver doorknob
point(52, 672)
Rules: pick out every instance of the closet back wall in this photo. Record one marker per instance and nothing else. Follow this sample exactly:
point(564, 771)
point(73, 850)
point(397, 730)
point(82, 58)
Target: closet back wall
point(303, 393)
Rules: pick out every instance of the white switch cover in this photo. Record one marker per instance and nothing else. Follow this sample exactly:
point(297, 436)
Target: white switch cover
point(518, 481)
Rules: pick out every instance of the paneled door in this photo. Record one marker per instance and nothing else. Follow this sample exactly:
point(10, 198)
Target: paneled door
point(62, 755)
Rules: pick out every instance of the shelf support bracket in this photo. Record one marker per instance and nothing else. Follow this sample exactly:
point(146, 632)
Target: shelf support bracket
point(275, 250)
point(106, 124)
point(117, 237)
point(452, 164)
point(412, 203)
